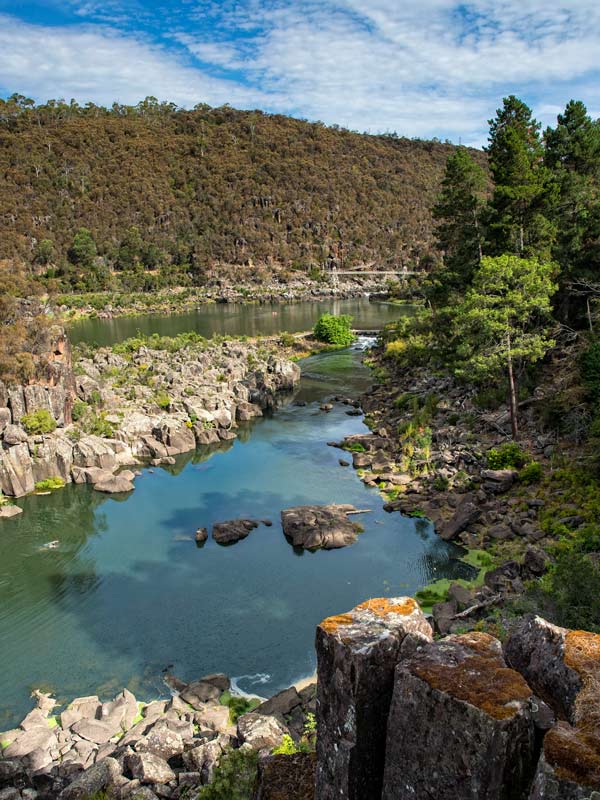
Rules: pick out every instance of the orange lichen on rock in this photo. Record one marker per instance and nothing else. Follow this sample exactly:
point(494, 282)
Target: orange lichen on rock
point(331, 624)
point(475, 672)
point(574, 752)
point(381, 606)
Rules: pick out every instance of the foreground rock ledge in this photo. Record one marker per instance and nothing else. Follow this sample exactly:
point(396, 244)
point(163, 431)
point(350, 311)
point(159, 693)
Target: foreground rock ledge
point(460, 724)
point(326, 527)
point(563, 667)
point(357, 654)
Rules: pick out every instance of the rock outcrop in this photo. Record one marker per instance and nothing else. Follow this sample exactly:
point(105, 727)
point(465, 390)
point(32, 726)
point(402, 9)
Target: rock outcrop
point(150, 405)
point(314, 527)
point(286, 777)
point(232, 530)
point(357, 655)
point(460, 724)
point(563, 667)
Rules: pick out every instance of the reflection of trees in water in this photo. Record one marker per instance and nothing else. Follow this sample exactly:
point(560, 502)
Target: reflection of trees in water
point(69, 516)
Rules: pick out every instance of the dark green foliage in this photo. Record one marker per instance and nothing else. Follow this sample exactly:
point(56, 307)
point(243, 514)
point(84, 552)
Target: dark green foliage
point(517, 212)
point(83, 249)
point(79, 409)
point(38, 422)
point(334, 329)
point(234, 778)
point(458, 213)
point(590, 371)
point(573, 590)
point(531, 473)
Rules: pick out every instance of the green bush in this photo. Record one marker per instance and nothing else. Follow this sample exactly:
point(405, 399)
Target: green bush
point(38, 422)
point(50, 484)
point(234, 778)
point(334, 329)
point(287, 339)
point(531, 473)
point(507, 456)
point(163, 400)
point(79, 409)
point(238, 705)
point(98, 425)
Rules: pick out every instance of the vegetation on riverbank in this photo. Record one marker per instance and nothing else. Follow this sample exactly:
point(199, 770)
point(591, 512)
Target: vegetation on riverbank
point(508, 332)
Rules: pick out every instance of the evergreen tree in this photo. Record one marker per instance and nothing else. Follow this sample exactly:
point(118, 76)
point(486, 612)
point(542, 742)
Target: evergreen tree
point(131, 248)
point(82, 252)
point(459, 229)
point(517, 218)
point(503, 322)
point(573, 155)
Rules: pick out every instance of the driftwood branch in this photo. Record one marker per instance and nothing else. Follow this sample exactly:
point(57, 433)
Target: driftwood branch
point(478, 606)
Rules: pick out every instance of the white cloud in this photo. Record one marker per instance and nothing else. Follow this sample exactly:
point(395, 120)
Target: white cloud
point(103, 65)
point(436, 67)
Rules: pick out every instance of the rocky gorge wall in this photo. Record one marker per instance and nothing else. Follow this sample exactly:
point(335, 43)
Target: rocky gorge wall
point(145, 405)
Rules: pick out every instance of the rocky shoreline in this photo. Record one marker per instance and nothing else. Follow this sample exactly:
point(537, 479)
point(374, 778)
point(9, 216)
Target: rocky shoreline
point(143, 405)
point(109, 305)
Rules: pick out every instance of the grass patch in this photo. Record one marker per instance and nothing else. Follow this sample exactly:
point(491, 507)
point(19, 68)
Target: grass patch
point(50, 484)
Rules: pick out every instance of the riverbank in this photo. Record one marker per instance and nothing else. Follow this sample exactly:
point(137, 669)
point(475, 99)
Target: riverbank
point(179, 300)
point(436, 453)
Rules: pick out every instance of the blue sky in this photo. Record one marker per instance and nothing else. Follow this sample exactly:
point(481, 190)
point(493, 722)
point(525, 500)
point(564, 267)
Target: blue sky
point(422, 68)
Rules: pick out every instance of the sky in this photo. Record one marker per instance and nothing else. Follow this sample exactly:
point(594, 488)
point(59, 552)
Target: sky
point(425, 68)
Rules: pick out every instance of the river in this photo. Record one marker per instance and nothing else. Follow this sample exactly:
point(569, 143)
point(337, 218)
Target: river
point(127, 594)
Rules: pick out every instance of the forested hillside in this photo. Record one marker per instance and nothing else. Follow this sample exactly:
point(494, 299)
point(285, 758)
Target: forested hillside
point(183, 190)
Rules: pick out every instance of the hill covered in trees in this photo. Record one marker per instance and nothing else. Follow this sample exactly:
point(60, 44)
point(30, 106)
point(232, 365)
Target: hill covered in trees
point(156, 193)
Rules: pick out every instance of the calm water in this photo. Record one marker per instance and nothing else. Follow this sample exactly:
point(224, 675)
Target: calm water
point(236, 320)
point(127, 593)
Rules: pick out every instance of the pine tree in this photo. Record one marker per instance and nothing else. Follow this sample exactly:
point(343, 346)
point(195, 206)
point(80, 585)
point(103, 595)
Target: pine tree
point(573, 155)
point(517, 220)
point(459, 229)
point(503, 322)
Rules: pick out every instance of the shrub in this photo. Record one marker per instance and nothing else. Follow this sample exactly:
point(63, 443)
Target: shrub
point(79, 409)
point(334, 329)
point(234, 778)
point(163, 400)
point(98, 425)
point(573, 589)
point(531, 473)
point(286, 748)
point(287, 339)
point(507, 456)
point(50, 484)
point(38, 422)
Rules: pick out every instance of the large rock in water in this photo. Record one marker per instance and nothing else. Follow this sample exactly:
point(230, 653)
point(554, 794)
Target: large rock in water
point(460, 725)
point(314, 527)
point(563, 667)
point(286, 777)
point(232, 530)
point(357, 654)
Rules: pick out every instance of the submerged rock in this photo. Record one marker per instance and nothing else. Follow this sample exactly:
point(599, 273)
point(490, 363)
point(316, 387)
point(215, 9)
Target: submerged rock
point(357, 654)
point(314, 527)
point(460, 724)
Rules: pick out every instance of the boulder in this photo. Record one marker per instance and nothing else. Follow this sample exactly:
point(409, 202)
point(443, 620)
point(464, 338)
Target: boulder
point(94, 730)
point(16, 471)
point(218, 680)
point(498, 481)
point(92, 475)
point(536, 561)
point(283, 777)
point(149, 768)
point(281, 703)
point(14, 434)
point(93, 451)
point(465, 515)
point(204, 758)
point(232, 530)
point(176, 436)
point(214, 717)
point(8, 511)
point(261, 732)
point(357, 654)
point(116, 484)
point(314, 527)
point(201, 535)
point(161, 741)
point(568, 768)
point(98, 778)
point(460, 724)
point(28, 741)
point(199, 692)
